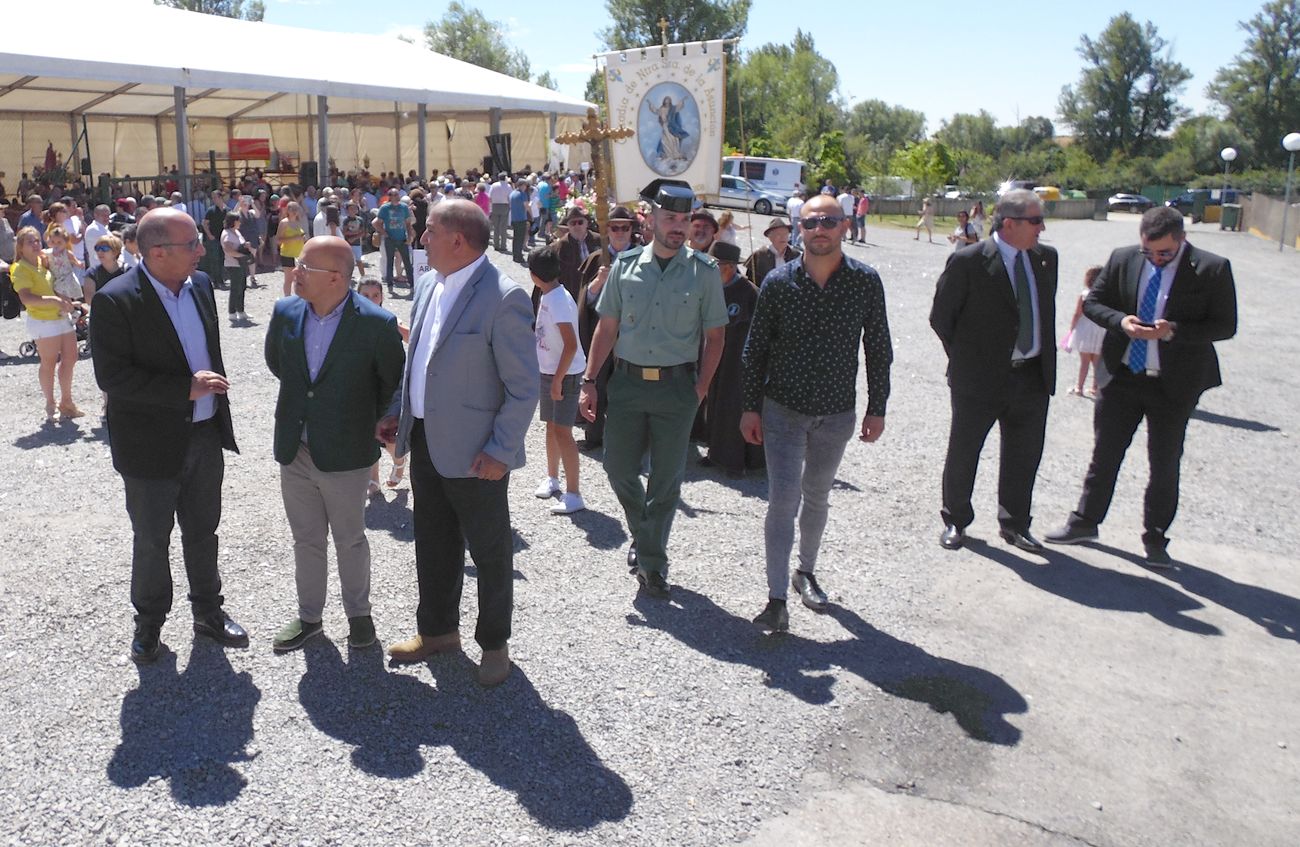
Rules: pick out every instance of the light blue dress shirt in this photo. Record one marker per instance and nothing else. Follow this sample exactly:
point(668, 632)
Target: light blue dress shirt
point(1009, 259)
point(183, 310)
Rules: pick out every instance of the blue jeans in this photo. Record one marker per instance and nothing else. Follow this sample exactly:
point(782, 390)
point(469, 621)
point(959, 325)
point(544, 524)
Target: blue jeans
point(803, 453)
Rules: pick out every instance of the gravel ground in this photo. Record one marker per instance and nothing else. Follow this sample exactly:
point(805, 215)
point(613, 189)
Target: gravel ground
point(627, 720)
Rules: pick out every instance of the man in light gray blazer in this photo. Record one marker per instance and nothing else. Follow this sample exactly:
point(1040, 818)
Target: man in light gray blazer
point(467, 398)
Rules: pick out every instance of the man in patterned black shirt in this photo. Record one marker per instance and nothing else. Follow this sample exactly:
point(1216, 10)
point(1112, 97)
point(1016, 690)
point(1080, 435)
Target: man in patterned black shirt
point(800, 377)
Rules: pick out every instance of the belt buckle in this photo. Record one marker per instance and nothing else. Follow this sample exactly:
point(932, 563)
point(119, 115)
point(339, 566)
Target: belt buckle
point(650, 374)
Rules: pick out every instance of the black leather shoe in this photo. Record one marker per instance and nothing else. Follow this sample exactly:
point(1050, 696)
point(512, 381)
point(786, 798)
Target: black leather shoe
point(1158, 557)
point(1070, 534)
point(952, 538)
point(220, 628)
point(654, 583)
point(632, 562)
point(1022, 540)
point(146, 646)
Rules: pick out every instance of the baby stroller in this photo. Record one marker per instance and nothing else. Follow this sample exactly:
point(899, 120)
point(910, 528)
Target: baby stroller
point(80, 323)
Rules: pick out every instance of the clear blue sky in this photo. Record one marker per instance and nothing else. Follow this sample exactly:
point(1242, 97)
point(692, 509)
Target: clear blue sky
point(1010, 58)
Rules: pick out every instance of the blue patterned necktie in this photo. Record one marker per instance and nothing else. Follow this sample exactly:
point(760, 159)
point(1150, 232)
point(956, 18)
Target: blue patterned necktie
point(1137, 351)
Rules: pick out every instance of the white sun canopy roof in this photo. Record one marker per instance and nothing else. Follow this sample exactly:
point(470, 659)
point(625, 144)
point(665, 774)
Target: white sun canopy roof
point(234, 69)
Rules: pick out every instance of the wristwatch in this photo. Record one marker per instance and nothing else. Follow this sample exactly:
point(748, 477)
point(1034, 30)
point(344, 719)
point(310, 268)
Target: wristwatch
point(587, 380)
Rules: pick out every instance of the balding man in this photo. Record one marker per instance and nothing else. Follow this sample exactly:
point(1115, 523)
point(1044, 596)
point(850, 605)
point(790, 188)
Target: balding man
point(158, 359)
point(339, 359)
point(465, 404)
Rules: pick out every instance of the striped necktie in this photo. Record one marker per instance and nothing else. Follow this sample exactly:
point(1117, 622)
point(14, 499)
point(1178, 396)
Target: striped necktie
point(1137, 351)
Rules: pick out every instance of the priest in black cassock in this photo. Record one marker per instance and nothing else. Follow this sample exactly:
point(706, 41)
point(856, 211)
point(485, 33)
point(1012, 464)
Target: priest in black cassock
point(726, 448)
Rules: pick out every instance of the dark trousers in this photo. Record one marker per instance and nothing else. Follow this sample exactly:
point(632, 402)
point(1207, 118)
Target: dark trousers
point(1021, 415)
point(450, 513)
point(237, 278)
point(657, 415)
point(396, 248)
point(1123, 403)
point(518, 233)
point(192, 499)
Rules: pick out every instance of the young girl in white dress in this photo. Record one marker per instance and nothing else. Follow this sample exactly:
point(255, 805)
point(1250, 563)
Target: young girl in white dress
point(1085, 337)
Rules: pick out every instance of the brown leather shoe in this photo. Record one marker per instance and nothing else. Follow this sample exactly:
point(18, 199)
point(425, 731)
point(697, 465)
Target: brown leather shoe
point(494, 668)
point(419, 647)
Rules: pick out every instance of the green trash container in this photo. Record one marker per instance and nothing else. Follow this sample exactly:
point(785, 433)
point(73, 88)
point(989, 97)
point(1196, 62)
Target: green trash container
point(1231, 219)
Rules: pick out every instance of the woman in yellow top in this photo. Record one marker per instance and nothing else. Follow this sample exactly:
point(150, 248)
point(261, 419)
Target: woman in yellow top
point(291, 235)
point(47, 321)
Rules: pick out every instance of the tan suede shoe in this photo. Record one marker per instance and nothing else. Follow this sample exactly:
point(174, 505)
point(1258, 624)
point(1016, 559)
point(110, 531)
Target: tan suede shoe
point(494, 668)
point(419, 648)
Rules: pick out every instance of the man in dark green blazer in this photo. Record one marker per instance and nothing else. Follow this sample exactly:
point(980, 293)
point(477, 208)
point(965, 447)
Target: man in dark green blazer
point(339, 359)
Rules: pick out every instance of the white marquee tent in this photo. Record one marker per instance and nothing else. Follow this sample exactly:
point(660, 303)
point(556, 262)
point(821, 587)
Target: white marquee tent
point(169, 80)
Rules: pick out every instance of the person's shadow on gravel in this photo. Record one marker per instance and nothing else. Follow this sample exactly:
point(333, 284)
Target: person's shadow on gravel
point(602, 531)
point(508, 733)
point(188, 728)
point(1278, 614)
point(1100, 588)
point(978, 700)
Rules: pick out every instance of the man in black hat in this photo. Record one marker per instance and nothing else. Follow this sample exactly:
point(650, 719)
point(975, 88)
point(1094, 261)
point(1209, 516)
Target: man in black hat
point(727, 448)
point(622, 226)
point(656, 305)
point(704, 230)
point(777, 253)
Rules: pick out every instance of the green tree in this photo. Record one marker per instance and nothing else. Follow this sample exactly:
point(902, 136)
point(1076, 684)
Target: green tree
point(788, 93)
point(1032, 132)
point(874, 130)
point(1127, 94)
point(928, 164)
point(828, 161)
point(595, 91)
point(1260, 89)
point(225, 8)
point(545, 80)
point(636, 22)
point(466, 34)
point(1198, 141)
point(978, 133)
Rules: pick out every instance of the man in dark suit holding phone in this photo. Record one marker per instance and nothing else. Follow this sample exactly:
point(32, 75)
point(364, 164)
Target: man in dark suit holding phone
point(994, 310)
point(157, 356)
point(1163, 306)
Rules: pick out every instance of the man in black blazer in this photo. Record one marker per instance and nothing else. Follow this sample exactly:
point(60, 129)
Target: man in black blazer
point(994, 310)
point(157, 356)
point(1163, 306)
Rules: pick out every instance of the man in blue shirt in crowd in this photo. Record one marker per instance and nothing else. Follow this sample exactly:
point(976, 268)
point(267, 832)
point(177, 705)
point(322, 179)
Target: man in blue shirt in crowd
point(519, 219)
point(398, 234)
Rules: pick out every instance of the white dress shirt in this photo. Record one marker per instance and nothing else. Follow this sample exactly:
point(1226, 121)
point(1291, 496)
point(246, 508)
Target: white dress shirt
point(1166, 280)
point(1008, 254)
point(441, 299)
point(183, 310)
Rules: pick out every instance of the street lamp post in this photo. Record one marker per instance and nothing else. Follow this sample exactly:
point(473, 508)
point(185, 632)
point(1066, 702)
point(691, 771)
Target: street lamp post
point(1291, 143)
point(1227, 154)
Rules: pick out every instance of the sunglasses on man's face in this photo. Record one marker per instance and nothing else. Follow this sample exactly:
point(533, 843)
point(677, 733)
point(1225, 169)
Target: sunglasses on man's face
point(824, 221)
point(103, 248)
point(1033, 220)
point(620, 227)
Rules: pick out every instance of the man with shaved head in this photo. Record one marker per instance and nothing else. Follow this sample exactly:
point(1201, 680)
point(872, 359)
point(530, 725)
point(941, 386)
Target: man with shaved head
point(339, 359)
point(158, 360)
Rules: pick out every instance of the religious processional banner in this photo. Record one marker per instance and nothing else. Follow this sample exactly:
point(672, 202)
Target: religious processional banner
point(673, 97)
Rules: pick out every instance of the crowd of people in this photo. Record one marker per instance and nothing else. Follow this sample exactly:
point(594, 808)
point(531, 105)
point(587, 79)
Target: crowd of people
point(664, 336)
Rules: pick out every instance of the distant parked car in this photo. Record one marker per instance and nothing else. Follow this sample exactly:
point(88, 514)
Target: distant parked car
point(1186, 202)
point(1129, 203)
point(739, 193)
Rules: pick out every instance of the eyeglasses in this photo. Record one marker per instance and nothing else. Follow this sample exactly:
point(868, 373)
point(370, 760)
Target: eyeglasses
point(298, 265)
point(620, 228)
point(192, 244)
point(824, 221)
point(103, 248)
point(1159, 254)
point(1032, 219)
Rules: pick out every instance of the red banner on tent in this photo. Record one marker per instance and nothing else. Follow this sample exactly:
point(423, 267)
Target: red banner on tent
point(250, 148)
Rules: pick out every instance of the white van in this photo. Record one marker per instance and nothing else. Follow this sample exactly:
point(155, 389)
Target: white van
point(781, 176)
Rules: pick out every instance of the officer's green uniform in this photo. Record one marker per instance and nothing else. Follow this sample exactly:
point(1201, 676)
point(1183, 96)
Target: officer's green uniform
point(662, 313)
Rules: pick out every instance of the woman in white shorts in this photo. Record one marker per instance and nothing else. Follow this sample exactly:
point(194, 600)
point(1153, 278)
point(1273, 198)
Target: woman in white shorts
point(47, 321)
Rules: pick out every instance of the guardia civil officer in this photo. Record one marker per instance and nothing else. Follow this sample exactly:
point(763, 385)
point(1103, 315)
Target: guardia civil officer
point(656, 304)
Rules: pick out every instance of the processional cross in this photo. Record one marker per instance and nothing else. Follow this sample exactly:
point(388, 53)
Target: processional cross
point(663, 29)
point(593, 133)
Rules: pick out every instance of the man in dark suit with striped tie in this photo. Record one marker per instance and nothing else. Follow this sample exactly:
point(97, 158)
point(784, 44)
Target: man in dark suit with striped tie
point(1163, 306)
point(994, 310)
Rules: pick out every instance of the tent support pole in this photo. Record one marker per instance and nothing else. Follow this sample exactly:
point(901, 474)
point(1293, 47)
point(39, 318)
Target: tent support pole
point(157, 128)
point(422, 113)
point(397, 138)
point(552, 124)
point(182, 142)
point(323, 128)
